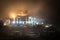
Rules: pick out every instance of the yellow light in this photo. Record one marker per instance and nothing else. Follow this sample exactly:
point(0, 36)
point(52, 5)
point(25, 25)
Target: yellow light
point(21, 14)
point(12, 15)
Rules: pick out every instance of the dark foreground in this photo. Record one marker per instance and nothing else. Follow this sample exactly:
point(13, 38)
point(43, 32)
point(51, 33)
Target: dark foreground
point(44, 36)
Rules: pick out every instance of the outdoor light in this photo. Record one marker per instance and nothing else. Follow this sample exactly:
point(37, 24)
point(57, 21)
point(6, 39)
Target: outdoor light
point(48, 25)
point(4, 24)
point(21, 22)
point(12, 15)
point(13, 22)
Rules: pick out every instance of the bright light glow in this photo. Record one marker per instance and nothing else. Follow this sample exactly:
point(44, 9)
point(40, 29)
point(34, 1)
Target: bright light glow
point(21, 22)
point(46, 26)
point(16, 22)
point(32, 20)
point(21, 13)
point(13, 22)
point(12, 15)
point(30, 17)
point(5, 24)
point(37, 23)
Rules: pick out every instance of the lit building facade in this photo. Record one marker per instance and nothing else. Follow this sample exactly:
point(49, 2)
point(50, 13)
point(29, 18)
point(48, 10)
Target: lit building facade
point(23, 19)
